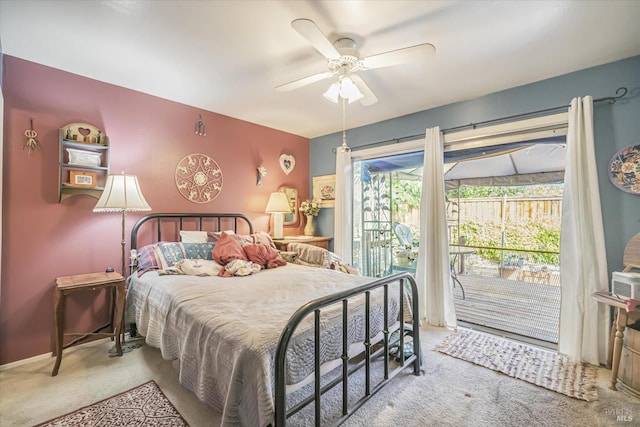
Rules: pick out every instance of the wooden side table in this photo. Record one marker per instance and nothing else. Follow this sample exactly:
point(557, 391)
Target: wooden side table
point(83, 282)
point(622, 319)
point(322, 242)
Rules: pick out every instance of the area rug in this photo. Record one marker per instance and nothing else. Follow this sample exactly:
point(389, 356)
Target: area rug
point(540, 367)
point(144, 405)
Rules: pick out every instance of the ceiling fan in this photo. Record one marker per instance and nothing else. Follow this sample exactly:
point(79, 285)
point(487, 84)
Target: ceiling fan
point(343, 61)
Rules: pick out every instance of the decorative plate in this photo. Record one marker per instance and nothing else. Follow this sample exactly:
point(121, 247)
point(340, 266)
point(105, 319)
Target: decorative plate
point(624, 169)
point(199, 178)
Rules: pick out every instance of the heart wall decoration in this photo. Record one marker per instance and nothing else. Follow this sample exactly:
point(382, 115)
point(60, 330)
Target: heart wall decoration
point(287, 163)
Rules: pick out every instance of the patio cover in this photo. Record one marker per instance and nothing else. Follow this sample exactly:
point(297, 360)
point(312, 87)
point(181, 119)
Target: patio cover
point(533, 162)
point(529, 164)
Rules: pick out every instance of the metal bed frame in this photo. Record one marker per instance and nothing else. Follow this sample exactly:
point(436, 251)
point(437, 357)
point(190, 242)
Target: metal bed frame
point(412, 359)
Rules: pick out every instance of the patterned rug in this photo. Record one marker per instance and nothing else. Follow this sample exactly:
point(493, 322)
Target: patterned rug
point(540, 367)
point(144, 405)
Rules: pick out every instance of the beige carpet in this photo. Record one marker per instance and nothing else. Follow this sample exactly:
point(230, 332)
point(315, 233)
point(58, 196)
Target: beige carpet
point(450, 392)
point(540, 367)
point(144, 405)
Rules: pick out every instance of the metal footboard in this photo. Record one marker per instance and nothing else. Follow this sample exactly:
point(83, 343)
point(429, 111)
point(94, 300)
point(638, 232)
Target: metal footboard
point(315, 307)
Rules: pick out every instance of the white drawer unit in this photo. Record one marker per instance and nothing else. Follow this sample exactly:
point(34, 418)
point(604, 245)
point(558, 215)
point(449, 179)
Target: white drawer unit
point(626, 285)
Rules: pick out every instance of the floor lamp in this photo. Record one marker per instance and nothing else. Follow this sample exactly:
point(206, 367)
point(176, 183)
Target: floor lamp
point(121, 194)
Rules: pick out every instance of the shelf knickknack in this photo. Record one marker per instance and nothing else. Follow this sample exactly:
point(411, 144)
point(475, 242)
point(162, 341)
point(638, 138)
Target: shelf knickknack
point(83, 161)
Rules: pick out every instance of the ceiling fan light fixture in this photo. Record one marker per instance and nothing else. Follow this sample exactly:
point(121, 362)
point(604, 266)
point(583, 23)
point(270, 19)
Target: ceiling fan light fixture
point(333, 92)
point(348, 90)
point(355, 97)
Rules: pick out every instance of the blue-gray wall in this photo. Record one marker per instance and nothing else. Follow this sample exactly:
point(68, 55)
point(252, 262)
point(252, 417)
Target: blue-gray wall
point(615, 125)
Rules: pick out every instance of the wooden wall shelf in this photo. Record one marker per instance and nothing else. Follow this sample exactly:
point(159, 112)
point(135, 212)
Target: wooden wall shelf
point(83, 161)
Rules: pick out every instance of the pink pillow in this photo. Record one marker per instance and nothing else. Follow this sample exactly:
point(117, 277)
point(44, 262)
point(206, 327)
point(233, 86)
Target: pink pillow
point(264, 255)
point(227, 249)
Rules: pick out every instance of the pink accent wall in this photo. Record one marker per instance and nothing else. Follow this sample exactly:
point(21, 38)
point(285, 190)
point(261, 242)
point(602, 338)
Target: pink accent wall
point(44, 239)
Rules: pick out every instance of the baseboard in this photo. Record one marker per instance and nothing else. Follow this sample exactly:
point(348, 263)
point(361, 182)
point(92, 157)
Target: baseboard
point(49, 356)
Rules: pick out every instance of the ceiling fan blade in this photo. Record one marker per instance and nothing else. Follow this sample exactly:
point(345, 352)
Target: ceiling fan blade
point(368, 97)
point(401, 56)
point(304, 81)
point(310, 31)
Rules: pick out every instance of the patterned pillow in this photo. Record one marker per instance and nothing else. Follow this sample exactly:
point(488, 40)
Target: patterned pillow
point(198, 250)
point(169, 253)
point(243, 239)
point(147, 260)
point(214, 236)
point(262, 238)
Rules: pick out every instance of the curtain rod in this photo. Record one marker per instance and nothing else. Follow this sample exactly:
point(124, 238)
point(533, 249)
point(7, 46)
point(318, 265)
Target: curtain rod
point(620, 93)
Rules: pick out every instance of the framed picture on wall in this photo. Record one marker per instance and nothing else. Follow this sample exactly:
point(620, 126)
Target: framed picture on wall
point(324, 189)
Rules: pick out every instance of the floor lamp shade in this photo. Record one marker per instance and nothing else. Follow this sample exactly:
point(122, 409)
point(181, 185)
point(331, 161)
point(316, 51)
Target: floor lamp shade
point(121, 193)
point(278, 205)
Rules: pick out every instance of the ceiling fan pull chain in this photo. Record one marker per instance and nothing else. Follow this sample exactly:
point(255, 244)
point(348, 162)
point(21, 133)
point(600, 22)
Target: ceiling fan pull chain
point(344, 125)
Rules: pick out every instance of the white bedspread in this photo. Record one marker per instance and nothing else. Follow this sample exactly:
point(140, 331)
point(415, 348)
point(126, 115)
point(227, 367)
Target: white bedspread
point(223, 331)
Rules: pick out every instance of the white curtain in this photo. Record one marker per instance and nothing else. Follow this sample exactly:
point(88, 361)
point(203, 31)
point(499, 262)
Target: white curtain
point(584, 324)
point(343, 224)
point(432, 274)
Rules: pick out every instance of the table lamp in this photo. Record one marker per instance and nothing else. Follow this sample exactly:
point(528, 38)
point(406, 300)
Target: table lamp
point(278, 205)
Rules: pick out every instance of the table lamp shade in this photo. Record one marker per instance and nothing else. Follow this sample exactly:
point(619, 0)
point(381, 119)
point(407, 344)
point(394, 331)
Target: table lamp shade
point(121, 193)
point(278, 203)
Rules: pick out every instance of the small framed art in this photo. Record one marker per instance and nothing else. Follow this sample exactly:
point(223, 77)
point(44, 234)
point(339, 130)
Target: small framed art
point(324, 189)
point(82, 179)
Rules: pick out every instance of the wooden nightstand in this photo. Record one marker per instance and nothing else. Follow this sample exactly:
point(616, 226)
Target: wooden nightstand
point(84, 282)
point(322, 242)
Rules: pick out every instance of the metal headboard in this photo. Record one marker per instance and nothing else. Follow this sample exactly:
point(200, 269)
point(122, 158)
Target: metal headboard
point(218, 219)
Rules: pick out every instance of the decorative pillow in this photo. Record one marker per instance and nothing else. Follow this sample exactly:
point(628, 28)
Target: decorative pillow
point(198, 250)
point(310, 255)
point(289, 256)
point(193, 236)
point(147, 260)
point(169, 253)
point(262, 238)
point(264, 255)
point(227, 249)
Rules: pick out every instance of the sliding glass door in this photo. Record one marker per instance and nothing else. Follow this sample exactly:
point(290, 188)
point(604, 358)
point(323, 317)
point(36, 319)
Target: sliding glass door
point(503, 206)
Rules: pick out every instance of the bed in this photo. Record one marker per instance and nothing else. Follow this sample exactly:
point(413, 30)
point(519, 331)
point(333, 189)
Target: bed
point(264, 347)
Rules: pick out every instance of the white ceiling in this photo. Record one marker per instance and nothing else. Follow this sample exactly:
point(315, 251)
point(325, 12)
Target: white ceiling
point(228, 56)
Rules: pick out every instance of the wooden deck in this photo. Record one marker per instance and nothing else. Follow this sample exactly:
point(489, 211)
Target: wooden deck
point(521, 308)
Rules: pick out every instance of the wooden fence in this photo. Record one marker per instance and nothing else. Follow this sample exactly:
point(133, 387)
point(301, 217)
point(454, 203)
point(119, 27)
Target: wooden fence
point(497, 210)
